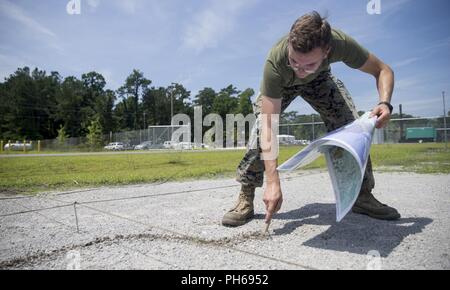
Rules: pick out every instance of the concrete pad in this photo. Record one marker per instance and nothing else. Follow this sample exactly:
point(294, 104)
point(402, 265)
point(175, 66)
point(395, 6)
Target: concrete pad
point(176, 225)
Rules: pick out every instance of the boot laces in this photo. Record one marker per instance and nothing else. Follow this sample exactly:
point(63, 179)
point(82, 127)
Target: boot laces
point(243, 202)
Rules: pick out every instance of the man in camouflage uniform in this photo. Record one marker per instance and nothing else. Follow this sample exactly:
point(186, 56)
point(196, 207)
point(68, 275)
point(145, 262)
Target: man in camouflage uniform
point(299, 65)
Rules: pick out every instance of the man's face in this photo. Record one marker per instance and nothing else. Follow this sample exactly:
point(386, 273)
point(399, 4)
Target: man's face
point(305, 64)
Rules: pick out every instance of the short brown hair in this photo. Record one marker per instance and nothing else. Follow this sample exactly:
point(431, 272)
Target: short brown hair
point(310, 31)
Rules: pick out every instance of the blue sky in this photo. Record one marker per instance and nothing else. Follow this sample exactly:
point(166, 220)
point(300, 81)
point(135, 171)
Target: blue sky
point(216, 43)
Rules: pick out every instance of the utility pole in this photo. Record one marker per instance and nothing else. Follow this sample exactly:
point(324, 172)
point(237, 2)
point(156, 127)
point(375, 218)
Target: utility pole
point(144, 119)
point(401, 124)
point(172, 92)
point(144, 127)
point(171, 106)
point(445, 122)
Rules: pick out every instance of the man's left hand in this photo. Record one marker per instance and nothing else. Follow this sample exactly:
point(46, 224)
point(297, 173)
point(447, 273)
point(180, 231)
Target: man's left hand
point(384, 115)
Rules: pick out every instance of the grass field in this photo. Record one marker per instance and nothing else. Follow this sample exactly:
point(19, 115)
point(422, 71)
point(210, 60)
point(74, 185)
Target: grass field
point(34, 174)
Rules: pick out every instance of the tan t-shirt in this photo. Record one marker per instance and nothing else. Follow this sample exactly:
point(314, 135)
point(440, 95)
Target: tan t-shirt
point(278, 75)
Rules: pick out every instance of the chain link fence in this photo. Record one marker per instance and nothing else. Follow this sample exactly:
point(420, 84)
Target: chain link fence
point(408, 130)
point(154, 137)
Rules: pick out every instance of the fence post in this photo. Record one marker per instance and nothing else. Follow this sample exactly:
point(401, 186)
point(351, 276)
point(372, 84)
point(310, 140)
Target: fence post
point(9, 145)
point(39, 145)
point(445, 121)
point(24, 146)
point(1, 146)
point(402, 139)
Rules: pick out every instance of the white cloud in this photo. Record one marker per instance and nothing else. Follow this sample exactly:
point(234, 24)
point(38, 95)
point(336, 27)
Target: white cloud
point(367, 28)
point(436, 46)
point(93, 4)
point(10, 63)
point(405, 62)
point(128, 6)
point(408, 83)
point(393, 6)
point(15, 12)
point(421, 105)
point(193, 76)
point(36, 28)
point(156, 11)
point(212, 24)
point(109, 78)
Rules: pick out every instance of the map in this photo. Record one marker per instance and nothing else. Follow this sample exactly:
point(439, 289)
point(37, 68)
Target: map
point(346, 152)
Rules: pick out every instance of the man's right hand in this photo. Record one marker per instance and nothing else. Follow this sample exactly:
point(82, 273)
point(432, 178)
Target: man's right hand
point(273, 198)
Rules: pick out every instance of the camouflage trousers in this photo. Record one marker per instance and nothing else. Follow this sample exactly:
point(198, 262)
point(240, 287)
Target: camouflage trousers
point(329, 97)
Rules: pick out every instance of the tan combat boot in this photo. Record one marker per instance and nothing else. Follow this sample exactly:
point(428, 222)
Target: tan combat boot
point(243, 211)
point(367, 204)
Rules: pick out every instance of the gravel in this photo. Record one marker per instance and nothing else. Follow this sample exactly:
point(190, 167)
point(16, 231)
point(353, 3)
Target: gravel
point(177, 226)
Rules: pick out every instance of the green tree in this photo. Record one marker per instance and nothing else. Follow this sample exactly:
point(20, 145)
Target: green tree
point(106, 111)
point(62, 135)
point(180, 96)
point(95, 135)
point(304, 131)
point(95, 99)
point(46, 88)
point(245, 103)
point(70, 111)
point(135, 87)
point(156, 104)
point(205, 98)
point(123, 114)
point(226, 101)
point(94, 84)
point(18, 89)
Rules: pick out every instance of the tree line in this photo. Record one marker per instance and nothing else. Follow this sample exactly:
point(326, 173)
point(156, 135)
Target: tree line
point(37, 105)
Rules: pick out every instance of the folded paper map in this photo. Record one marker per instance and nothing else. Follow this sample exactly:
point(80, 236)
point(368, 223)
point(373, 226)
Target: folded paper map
point(346, 152)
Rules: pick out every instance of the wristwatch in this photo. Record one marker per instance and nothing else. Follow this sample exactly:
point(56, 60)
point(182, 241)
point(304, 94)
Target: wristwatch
point(388, 105)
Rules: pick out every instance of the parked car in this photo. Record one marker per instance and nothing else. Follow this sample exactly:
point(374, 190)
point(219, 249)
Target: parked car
point(302, 142)
point(286, 139)
point(170, 144)
point(157, 146)
point(202, 146)
point(184, 146)
point(17, 146)
point(144, 145)
point(115, 146)
point(128, 146)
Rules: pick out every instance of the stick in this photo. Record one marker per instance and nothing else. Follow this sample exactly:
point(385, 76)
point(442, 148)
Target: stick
point(266, 228)
point(76, 216)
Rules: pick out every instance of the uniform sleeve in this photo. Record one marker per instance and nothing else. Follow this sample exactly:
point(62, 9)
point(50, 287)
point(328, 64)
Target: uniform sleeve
point(271, 85)
point(349, 51)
